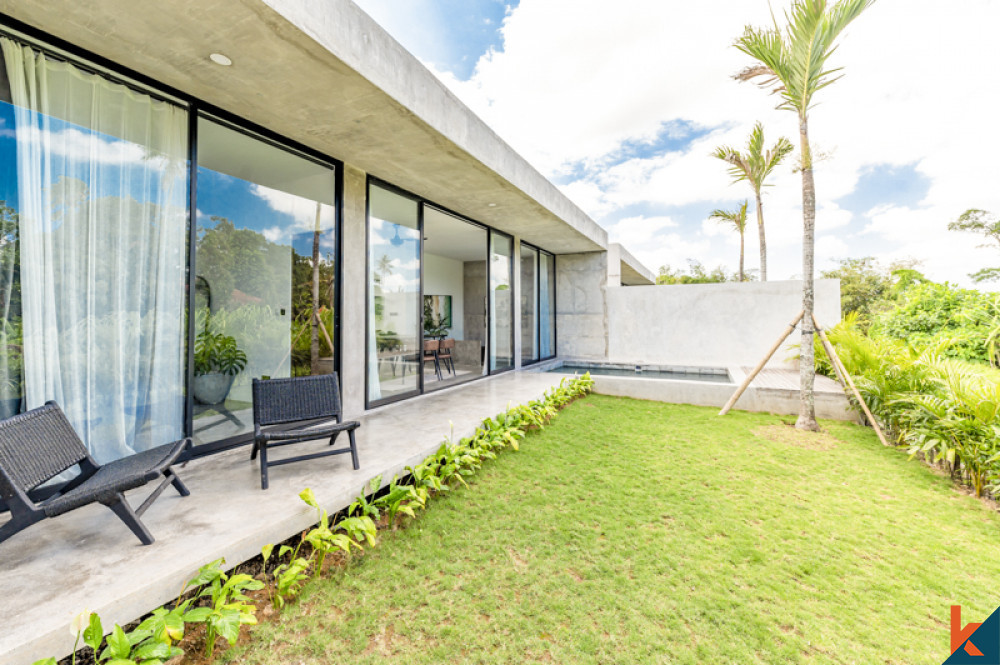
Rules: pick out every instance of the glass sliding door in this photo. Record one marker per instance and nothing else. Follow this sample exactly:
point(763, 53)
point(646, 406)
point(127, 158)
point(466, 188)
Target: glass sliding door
point(501, 302)
point(394, 307)
point(455, 299)
point(264, 285)
point(546, 305)
point(529, 304)
point(93, 244)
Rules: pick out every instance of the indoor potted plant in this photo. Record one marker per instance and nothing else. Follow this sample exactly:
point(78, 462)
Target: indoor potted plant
point(217, 361)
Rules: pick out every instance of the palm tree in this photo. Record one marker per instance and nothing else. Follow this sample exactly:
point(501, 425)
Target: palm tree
point(792, 63)
point(754, 166)
point(737, 218)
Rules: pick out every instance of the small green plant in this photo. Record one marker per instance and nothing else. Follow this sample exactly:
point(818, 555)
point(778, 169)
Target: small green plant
point(425, 481)
point(322, 539)
point(142, 646)
point(398, 499)
point(229, 607)
point(289, 577)
point(362, 505)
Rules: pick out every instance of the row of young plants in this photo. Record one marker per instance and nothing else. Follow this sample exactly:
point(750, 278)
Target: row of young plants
point(943, 409)
point(219, 601)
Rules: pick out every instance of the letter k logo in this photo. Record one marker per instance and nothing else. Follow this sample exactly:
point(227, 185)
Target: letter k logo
point(975, 644)
point(959, 634)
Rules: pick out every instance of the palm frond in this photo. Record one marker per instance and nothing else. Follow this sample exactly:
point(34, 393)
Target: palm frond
point(737, 218)
point(793, 63)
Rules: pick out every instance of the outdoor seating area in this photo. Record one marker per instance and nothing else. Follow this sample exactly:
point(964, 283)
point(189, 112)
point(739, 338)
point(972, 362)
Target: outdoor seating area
point(279, 402)
point(39, 445)
point(120, 580)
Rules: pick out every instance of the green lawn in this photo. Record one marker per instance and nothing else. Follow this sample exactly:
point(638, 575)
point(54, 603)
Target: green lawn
point(638, 532)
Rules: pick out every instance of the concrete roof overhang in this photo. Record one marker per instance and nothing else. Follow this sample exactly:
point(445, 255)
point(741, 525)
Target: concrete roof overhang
point(633, 273)
point(323, 73)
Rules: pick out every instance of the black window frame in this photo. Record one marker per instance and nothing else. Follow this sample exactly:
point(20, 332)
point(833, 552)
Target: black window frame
point(87, 61)
point(538, 318)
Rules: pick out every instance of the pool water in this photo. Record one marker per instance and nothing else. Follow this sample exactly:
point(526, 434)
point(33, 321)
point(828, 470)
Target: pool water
point(708, 375)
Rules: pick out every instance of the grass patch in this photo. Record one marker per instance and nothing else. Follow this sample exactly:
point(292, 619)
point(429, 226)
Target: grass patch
point(640, 532)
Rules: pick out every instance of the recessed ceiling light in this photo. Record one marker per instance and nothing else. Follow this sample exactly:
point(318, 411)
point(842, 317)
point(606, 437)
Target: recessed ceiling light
point(492, 205)
point(220, 59)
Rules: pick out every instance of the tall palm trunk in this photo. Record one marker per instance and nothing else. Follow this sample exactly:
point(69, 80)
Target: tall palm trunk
point(807, 369)
point(314, 319)
point(741, 255)
point(763, 241)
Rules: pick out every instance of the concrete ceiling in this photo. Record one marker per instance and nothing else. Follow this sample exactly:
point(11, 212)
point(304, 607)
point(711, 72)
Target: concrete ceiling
point(448, 236)
point(323, 73)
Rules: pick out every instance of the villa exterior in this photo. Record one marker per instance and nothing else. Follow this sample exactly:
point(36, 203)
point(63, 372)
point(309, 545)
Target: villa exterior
point(186, 183)
point(196, 194)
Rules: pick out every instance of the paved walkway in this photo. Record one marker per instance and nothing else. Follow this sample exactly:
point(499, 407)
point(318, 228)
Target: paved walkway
point(89, 559)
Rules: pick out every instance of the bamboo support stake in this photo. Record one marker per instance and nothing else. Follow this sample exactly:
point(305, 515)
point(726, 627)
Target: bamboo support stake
point(846, 380)
point(756, 370)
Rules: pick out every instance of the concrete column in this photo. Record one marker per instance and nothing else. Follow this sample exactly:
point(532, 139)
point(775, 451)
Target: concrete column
point(516, 300)
point(354, 306)
point(581, 305)
point(614, 265)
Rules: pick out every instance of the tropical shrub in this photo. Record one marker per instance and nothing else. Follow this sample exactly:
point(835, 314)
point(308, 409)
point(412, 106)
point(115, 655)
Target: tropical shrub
point(930, 314)
point(943, 409)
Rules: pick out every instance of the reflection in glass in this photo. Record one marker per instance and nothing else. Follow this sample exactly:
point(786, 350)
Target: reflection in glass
point(93, 232)
point(501, 302)
point(455, 295)
point(394, 308)
point(547, 305)
point(264, 288)
point(529, 304)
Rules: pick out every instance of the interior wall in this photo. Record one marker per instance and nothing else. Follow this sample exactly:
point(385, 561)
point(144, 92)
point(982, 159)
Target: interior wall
point(446, 277)
point(474, 299)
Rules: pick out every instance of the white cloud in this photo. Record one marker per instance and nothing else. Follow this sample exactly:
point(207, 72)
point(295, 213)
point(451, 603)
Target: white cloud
point(301, 209)
point(412, 264)
point(275, 234)
point(396, 283)
point(89, 147)
point(635, 231)
point(577, 79)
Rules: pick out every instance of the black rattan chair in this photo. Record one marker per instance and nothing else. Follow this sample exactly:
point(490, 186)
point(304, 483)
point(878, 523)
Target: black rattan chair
point(38, 445)
point(298, 399)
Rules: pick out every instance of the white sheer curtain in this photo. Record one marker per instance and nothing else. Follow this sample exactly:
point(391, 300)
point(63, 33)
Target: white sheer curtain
point(101, 195)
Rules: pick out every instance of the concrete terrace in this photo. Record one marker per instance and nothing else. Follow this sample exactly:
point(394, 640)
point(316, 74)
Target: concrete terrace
point(88, 559)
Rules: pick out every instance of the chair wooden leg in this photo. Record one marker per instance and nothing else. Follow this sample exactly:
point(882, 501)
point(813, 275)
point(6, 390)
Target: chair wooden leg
point(263, 466)
point(15, 525)
point(177, 483)
point(125, 513)
point(354, 450)
point(253, 451)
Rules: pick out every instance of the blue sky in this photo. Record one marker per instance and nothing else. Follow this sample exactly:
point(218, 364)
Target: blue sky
point(620, 104)
point(451, 35)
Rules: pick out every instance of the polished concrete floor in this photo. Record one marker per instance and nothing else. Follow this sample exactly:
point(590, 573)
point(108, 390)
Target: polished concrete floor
point(87, 559)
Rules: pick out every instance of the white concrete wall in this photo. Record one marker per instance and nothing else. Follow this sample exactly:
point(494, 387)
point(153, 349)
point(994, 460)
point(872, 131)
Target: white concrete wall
point(709, 325)
point(354, 278)
point(446, 277)
point(581, 305)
